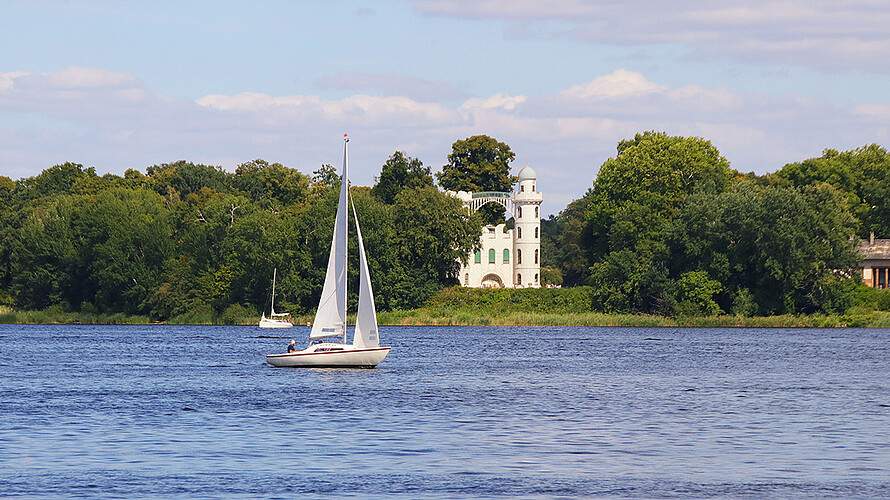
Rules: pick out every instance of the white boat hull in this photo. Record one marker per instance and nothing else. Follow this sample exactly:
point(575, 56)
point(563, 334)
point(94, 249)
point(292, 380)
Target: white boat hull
point(275, 323)
point(350, 357)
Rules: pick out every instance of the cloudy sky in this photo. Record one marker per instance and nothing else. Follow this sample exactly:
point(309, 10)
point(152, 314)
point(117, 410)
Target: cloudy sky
point(118, 85)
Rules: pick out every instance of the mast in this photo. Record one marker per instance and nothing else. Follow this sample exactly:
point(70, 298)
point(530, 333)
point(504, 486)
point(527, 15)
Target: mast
point(330, 318)
point(274, 272)
point(344, 202)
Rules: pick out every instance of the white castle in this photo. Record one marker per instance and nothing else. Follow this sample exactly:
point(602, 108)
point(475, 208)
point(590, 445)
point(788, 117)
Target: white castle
point(507, 257)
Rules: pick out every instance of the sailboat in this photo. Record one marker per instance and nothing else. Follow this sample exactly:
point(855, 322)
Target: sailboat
point(326, 349)
point(275, 320)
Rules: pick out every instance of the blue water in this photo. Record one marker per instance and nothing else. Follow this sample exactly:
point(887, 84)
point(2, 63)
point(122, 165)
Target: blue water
point(194, 412)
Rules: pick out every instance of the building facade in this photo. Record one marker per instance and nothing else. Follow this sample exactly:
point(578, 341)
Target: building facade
point(507, 257)
point(875, 263)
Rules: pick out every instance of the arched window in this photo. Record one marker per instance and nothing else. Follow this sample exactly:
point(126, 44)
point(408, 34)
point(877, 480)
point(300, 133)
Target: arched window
point(478, 255)
point(491, 256)
point(536, 233)
point(537, 216)
point(518, 212)
point(518, 233)
point(533, 188)
point(467, 279)
point(536, 256)
point(536, 278)
point(519, 279)
point(518, 256)
point(522, 188)
point(506, 256)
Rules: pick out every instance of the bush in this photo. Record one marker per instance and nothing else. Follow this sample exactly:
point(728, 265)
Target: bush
point(236, 314)
point(875, 299)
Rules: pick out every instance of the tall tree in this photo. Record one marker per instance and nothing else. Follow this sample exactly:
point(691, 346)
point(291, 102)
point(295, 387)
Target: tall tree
point(479, 163)
point(398, 173)
point(434, 231)
point(633, 199)
point(863, 174)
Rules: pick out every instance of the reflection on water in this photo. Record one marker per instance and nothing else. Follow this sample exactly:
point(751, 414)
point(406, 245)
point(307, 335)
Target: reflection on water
point(452, 412)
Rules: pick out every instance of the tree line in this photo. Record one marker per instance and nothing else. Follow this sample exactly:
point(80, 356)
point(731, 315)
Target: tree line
point(187, 237)
point(667, 228)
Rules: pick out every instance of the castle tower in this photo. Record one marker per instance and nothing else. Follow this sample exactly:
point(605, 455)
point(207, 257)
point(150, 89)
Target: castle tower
point(527, 231)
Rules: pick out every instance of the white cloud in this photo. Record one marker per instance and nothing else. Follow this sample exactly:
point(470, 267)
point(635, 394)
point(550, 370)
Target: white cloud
point(497, 101)
point(822, 34)
point(77, 77)
point(392, 84)
point(111, 121)
point(619, 83)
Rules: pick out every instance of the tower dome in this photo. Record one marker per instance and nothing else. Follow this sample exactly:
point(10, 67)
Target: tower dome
point(527, 174)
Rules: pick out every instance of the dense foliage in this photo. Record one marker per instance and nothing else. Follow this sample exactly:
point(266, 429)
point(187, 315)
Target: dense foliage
point(668, 228)
point(190, 239)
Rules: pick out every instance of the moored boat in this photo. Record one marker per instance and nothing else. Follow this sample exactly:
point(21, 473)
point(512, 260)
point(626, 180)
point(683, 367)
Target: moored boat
point(276, 320)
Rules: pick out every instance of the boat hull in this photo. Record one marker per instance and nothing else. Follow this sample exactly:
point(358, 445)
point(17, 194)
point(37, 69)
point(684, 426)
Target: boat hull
point(275, 323)
point(351, 358)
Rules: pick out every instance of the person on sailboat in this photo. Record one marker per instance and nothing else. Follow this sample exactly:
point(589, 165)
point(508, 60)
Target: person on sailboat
point(293, 346)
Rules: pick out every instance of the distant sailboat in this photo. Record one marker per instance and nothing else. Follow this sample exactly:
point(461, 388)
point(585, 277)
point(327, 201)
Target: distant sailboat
point(325, 348)
point(275, 320)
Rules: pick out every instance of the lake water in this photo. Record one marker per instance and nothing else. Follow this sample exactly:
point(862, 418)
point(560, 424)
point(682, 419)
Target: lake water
point(534, 412)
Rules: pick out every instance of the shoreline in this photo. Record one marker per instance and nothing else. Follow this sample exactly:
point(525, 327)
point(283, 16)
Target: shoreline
point(425, 317)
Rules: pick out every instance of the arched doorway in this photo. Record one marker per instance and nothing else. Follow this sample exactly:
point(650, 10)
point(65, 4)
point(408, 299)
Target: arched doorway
point(492, 281)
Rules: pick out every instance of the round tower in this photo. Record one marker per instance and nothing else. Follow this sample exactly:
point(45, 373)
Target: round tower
point(527, 231)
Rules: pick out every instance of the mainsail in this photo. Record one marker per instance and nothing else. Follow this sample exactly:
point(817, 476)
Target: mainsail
point(330, 319)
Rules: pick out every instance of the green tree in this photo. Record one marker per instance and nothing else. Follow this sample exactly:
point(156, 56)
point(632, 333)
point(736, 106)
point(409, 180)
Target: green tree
point(272, 183)
point(186, 177)
point(59, 179)
point(565, 244)
point(863, 174)
point(433, 232)
point(479, 163)
point(633, 200)
point(695, 294)
point(125, 238)
point(43, 255)
point(776, 250)
point(398, 173)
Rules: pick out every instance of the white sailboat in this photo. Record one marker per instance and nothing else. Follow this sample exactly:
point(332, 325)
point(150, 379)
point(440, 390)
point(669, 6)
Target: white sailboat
point(325, 346)
point(275, 320)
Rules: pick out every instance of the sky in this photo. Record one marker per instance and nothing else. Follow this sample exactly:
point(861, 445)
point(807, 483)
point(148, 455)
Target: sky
point(117, 85)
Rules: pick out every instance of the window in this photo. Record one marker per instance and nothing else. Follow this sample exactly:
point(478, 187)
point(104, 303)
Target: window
point(518, 233)
point(478, 255)
point(536, 213)
point(536, 256)
point(518, 212)
point(536, 233)
point(491, 256)
point(536, 278)
point(506, 256)
point(522, 188)
point(519, 279)
point(533, 188)
point(518, 256)
point(467, 279)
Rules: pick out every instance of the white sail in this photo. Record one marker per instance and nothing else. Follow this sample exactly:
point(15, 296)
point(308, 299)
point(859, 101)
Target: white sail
point(330, 319)
point(366, 320)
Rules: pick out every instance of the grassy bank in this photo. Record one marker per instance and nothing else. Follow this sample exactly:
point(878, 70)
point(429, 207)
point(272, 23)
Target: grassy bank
point(571, 307)
point(468, 307)
point(469, 318)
